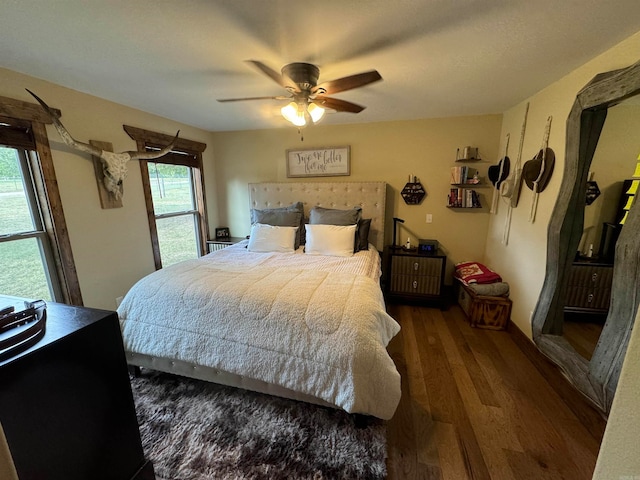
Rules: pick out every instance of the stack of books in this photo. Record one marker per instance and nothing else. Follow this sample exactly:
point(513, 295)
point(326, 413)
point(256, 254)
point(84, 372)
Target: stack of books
point(463, 198)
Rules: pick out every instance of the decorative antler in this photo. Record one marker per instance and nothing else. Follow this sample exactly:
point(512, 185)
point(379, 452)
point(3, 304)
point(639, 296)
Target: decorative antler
point(114, 165)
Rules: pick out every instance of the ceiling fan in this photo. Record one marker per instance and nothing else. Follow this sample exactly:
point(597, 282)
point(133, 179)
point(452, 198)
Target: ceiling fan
point(308, 99)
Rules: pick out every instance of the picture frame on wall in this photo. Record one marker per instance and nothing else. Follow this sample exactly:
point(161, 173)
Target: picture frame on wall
point(319, 162)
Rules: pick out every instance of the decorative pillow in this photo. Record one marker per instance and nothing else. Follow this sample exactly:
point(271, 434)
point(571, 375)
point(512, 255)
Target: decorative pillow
point(334, 216)
point(270, 238)
point(475, 272)
point(362, 235)
point(332, 240)
point(282, 217)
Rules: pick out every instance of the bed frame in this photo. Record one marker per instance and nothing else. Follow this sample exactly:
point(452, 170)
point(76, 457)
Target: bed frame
point(371, 196)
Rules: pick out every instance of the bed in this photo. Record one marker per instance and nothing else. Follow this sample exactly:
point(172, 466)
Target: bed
point(302, 326)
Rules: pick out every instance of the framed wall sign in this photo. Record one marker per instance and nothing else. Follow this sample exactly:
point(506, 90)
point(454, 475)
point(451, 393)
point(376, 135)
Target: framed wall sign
point(319, 162)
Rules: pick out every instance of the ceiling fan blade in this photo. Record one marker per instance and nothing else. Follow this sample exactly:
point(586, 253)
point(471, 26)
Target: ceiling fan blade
point(222, 100)
point(282, 80)
point(347, 83)
point(336, 104)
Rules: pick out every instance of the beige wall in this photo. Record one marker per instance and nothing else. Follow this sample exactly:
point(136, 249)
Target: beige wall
point(7, 468)
point(111, 248)
point(388, 151)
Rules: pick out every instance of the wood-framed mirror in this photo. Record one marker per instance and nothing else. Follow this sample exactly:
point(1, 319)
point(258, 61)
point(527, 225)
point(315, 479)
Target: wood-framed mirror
point(598, 377)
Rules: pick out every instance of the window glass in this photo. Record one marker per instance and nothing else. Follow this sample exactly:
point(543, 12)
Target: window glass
point(171, 188)
point(174, 208)
point(22, 273)
point(177, 239)
point(15, 214)
point(26, 264)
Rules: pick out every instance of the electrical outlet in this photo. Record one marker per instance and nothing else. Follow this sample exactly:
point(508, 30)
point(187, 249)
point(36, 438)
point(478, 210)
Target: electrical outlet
point(429, 218)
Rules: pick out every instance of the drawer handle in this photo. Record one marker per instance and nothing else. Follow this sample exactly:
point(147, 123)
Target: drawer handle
point(415, 284)
point(415, 266)
point(590, 297)
point(594, 277)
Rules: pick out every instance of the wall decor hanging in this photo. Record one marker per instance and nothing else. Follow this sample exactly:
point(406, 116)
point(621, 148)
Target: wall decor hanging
point(498, 174)
point(319, 162)
point(536, 173)
point(413, 192)
point(512, 186)
point(114, 165)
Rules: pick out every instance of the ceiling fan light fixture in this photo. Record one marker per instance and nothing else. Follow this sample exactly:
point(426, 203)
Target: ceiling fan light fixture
point(294, 114)
point(315, 112)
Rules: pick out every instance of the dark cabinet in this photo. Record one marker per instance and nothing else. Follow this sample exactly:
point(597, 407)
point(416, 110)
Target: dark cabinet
point(589, 287)
point(66, 405)
point(411, 276)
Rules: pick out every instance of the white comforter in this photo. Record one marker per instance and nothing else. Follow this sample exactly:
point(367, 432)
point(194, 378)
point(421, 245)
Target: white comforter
point(313, 324)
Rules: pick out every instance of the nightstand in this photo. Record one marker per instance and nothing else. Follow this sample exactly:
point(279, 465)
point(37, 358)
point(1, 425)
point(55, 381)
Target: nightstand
point(589, 287)
point(410, 276)
point(219, 244)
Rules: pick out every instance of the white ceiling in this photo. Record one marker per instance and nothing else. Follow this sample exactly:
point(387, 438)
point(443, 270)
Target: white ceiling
point(438, 58)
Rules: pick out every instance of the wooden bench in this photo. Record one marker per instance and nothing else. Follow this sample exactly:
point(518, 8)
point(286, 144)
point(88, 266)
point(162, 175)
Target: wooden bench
point(483, 311)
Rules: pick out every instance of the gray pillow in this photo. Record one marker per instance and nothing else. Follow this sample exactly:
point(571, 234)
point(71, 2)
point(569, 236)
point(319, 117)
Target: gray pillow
point(334, 216)
point(362, 235)
point(291, 216)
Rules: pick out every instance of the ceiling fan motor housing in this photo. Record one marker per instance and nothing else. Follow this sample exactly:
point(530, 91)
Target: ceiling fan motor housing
point(304, 74)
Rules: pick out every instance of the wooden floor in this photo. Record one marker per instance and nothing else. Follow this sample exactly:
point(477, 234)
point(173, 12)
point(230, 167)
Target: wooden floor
point(481, 404)
point(583, 336)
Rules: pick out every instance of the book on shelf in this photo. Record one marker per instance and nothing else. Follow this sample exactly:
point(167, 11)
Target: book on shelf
point(463, 198)
point(463, 175)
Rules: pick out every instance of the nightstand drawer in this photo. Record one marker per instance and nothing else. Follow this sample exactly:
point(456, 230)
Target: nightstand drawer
point(586, 297)
point(587, 275)
point(415, 285)
point(417, 266)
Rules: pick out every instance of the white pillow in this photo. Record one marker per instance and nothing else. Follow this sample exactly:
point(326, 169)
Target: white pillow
point(333, 240)
point(269, 238)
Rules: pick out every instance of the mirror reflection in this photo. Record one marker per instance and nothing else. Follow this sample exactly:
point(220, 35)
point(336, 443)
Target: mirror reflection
point(588, 290)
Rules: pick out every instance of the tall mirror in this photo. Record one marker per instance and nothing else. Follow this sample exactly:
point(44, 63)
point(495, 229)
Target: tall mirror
point(570, 241)
point(590, 276)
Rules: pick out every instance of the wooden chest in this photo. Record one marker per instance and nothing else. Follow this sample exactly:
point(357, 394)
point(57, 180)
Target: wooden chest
point(482, 311)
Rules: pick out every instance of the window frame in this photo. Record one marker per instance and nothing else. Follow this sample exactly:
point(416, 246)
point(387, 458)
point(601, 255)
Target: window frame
point(187, 153)
point(30, 134)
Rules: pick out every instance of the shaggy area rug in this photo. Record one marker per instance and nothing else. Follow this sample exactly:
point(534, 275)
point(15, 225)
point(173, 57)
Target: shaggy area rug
point(198, 430)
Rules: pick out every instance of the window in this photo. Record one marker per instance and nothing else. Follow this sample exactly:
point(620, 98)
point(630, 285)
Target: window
point(35, 253)
point(174, 208)
point(28, 269)
point(174, 195)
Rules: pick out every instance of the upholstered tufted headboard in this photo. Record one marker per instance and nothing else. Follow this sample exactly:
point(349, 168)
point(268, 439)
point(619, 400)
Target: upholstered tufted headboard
point(371, 196)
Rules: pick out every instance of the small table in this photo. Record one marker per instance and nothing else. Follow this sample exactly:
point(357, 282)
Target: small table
point(220, 243)
point(411, 276)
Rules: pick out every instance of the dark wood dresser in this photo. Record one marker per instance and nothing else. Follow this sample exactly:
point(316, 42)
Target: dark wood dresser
point(589, 287)
point(411, 276)
point(66, 405)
